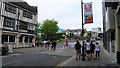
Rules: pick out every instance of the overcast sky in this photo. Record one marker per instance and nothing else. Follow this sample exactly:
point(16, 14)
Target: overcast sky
point(67, 12)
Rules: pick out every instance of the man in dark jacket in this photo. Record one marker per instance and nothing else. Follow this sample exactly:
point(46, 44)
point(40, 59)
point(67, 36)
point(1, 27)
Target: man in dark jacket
point(53, 45)
point(78, 50)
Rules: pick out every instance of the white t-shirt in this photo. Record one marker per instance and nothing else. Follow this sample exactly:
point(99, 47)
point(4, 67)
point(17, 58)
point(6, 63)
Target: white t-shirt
point(87, 46)
point(97, 47)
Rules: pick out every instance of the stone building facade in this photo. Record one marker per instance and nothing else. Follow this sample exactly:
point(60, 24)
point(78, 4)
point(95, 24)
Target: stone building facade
point(17, 23)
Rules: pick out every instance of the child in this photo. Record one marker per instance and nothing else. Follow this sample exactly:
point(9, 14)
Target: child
point(97, 49)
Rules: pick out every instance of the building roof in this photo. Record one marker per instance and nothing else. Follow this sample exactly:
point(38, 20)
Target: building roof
point(25, 5)
point(61, 30)
point(75, 30)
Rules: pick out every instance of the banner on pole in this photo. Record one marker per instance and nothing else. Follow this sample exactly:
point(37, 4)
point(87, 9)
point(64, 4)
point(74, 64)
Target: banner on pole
point(88, 15)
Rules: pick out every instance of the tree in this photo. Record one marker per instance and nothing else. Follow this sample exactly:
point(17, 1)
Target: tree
point(89, 34)
point(84, 31)
point(59, 36)
point(49, 28)
point(38, 31)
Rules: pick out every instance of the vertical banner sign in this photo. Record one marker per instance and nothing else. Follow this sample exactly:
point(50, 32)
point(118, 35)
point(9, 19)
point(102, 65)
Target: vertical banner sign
point(88, 15)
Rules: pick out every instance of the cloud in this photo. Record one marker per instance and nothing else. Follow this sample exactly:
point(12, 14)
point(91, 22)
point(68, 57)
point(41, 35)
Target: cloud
point(67, 12)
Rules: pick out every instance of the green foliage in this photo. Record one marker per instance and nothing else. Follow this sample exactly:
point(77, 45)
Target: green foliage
point(75, 35)
point(58, 36)
point(38, 31)
point(60, 41)
point(67, 36)
point(38, 37)
point(89, 34)
point(49, 28)
point(38, 28)
point(83, 32)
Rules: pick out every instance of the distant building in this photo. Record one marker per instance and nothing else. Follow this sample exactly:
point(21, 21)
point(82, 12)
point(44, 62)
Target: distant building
point(94, 35)
point(98, 30)
point(17, 23)
point(74, 31)
point(60, 30)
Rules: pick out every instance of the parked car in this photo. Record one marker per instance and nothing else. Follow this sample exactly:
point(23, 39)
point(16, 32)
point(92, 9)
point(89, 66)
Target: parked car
point(4, 49)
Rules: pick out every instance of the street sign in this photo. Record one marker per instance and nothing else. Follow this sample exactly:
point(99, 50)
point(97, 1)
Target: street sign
point(88, 15)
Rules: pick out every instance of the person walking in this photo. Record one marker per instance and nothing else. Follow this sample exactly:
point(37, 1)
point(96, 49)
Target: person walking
point(88, 51)
point(92, 49)
point(38, 43)
point(48, 44)
point(35, 43)
point(97, 48)
point(84, 47)
point(66, 43)
point(41, 44)
point(53, 47)
point(78, 49)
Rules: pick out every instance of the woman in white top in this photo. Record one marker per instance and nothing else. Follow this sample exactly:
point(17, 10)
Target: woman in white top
point(97, 49)
point(88, 50)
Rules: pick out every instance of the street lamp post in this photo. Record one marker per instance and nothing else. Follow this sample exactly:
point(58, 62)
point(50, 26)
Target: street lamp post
point(83, 56)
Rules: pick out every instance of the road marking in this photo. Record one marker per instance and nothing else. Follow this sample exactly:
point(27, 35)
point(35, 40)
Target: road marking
point(64, 62)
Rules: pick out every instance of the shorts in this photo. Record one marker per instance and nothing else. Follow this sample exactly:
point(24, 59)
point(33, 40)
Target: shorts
point(88, 51)
point(92, 51)
point(78, 51)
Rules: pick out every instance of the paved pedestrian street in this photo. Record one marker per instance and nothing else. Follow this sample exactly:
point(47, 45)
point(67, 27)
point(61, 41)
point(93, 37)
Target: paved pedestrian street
point(104, 62)
point(60, 58)
point(36, 56)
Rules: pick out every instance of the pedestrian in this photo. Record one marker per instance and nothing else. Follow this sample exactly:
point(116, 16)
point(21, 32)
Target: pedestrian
point(38, 43)
point(97, 48)
point(88, 52)
point(48, 44)
point(41, 44)
point(84, 47)
point(53, 47)
point(66, 43)
point(78, 49)
point(92, 48)
point(35, 43)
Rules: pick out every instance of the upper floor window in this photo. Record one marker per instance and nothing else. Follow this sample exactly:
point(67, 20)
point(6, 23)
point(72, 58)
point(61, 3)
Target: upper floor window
point(10, 8)
point(9, 22)
point(31, 26)
point(23, 25)
point(27, 14)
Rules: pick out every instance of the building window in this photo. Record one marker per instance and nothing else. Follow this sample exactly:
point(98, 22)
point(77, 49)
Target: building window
point(9, 22)
point(10, 8)
point(113, 35)
point(30, 39)
point(23, 25)
point(26, 39)
point(27, 14)
point(20, 39)
point(11, 38)
point(31, 26)
point(4, 38)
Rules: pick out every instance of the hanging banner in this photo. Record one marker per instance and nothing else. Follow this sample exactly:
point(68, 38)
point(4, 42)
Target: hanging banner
point(88, 15)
